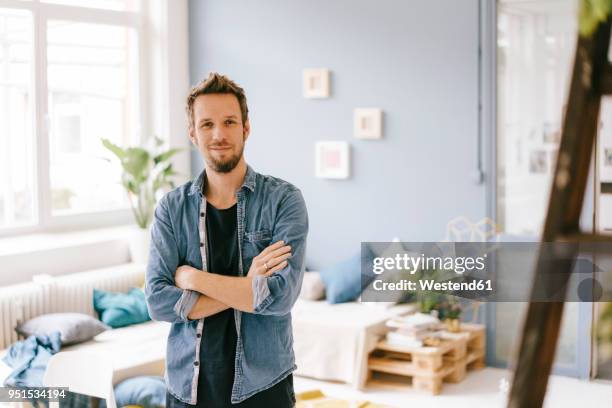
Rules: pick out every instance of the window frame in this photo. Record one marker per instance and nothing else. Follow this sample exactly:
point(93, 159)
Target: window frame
point(41, 13)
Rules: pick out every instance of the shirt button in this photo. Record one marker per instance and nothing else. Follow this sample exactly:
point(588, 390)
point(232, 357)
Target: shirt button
point(201, 244)
point(198, 335)
point(196, 363)
point(201, 214)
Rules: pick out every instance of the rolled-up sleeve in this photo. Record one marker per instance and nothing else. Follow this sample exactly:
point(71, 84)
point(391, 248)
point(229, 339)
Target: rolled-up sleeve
point(165, 301)
point(276, 294)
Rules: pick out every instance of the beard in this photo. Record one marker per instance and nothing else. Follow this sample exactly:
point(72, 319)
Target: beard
point(225, 165)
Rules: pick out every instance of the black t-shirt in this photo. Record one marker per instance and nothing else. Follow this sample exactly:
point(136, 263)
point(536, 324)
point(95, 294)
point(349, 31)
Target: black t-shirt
point(219, 334)
point(218, 346)
point(219, 337)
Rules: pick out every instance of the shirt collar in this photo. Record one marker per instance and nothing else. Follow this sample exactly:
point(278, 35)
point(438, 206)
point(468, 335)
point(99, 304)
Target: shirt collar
point(197, 185)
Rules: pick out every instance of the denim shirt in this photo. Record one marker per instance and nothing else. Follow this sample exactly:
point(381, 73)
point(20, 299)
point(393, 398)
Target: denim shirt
point(269, 210)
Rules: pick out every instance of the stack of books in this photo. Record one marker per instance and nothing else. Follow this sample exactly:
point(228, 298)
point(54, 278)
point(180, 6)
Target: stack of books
point(410, 331)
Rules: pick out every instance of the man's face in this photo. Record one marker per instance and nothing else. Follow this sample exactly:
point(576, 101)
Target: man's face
point(218, 131)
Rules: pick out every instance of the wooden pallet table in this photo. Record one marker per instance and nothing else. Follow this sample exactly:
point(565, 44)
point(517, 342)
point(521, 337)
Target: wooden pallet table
point(427, 367)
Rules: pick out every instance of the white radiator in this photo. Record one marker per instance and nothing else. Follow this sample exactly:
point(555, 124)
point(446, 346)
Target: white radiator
point(19, 303)
point(67, 293)
point(74, 292)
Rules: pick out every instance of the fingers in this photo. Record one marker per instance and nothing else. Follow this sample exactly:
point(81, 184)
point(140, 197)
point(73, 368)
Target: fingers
point(273, 251)
point(278, 259)
point(272, 247)
point(276, 264)
point(276, 268)
point(272, 259)
point(278, 252)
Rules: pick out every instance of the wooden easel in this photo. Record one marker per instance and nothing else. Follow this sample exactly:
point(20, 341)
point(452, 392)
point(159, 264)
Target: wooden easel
point(591, 79)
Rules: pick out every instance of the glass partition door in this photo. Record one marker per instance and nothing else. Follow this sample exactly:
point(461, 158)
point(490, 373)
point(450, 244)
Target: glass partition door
point(535, 50)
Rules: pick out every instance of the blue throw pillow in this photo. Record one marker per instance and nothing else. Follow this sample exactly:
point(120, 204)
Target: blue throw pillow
point(121, 309)
point(146, 392)
point(344, 281)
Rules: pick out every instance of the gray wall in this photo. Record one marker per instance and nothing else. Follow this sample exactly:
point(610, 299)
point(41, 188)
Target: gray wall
point(415, 59)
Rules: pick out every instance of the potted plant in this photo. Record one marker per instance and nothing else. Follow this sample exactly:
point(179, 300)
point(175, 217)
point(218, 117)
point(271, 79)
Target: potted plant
point(146, 172)
point(450, 312)
point(430, 302)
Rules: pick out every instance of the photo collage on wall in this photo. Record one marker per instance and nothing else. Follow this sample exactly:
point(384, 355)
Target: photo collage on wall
point(332, 157)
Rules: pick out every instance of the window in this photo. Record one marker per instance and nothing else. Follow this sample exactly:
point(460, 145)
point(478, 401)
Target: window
point(121, 5)
point(17, 192)
point(535, 43)
point(91, 75)
point(69, 76)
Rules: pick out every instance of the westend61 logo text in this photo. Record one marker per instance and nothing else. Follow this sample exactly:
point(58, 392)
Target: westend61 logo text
point(432, 285)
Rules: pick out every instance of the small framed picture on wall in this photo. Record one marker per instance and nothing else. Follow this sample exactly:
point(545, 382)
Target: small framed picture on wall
point(367, 123)
point(332, 160)
point(608, 157)
point(316, 83)
point(551, 133)
point(538, 162)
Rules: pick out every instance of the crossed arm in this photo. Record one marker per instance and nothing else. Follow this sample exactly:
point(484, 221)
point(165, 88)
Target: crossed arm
point(206, 306)
point(177, 293)
point(219, 292)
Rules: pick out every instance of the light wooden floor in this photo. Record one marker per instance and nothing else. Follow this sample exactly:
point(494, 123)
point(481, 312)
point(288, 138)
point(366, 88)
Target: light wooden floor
point(482, 388)
point(479, 389)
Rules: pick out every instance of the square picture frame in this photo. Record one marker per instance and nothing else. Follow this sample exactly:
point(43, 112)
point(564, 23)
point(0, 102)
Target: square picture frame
point(332, 160)
point(367, 123)
point(538, 162)
point(316, 83)
point(607, 157)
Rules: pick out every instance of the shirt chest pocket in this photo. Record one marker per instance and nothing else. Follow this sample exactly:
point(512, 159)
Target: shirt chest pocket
point(253, 243)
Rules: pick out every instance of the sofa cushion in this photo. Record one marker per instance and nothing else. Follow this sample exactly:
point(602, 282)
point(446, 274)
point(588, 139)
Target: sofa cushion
point(143, 391)
point(313, 287)
point(121, 309)
point(73, 327)
point(344, 280)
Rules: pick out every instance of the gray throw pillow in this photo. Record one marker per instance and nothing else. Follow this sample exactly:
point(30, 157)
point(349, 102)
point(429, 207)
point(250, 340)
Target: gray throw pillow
point(73, 327)
point(313, 287)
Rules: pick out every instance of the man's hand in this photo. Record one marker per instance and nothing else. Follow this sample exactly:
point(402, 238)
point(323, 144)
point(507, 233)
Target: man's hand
point(185, 277)
point(272, 259)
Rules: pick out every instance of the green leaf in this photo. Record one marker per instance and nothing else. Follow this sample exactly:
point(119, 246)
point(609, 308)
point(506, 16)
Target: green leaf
point(136, 162)
point(162, 157)
point(593, 13)
point(169, 171)
point(119, 152)
point(130, 185)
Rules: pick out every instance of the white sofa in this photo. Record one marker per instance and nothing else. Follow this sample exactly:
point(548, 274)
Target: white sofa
point(332, 341)
point(135, 350)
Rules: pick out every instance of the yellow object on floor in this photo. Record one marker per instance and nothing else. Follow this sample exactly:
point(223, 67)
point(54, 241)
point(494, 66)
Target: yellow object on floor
point(316, 399)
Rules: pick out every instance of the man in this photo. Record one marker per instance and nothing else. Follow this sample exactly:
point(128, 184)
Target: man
point(226, 266)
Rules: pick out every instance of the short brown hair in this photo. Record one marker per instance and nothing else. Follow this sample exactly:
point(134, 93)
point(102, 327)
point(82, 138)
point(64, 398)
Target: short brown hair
point(221, 84)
